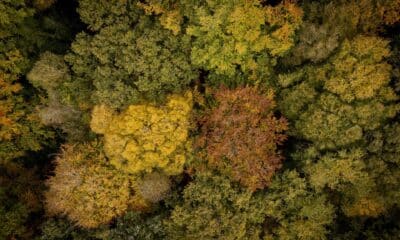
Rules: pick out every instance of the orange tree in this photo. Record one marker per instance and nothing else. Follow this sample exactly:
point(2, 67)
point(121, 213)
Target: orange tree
point(241, 136)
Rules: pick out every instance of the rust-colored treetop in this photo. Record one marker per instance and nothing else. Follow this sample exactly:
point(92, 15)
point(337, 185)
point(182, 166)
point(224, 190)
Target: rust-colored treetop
point(241, 136)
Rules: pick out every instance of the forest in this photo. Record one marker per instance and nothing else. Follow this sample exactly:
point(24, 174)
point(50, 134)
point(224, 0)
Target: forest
point(199, 119)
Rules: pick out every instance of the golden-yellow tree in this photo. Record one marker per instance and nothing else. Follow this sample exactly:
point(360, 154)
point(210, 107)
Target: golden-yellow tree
point(144, 138)
point(85, 189)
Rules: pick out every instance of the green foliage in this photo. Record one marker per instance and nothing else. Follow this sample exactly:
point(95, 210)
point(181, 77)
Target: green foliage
point(19, 198)
point(139, 226)
point(62, 229)
point(214, 208)
point(132, 225)
point(85, 189)
point(333, 104)
point(121, 94)
point(134, 56)
point(240, 34)
point(13, 216)
point(294, 211)
point(100, 14)
point(344, 106)
point(241, 136)
point(20, 131)
point(327, 23)
point(351, 17)
point(145, 137)
point(50, 73)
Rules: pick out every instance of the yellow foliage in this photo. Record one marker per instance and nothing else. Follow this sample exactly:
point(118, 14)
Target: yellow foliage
point(43, 4)
point(138, 203)
point(360, 71)
point(9, 116)
point(172, 21)
point(145, 137)
point(366, 206)
point(169, 19)
point(389, 11)
point(244, 33)
point(103, 117)
point(85, 189)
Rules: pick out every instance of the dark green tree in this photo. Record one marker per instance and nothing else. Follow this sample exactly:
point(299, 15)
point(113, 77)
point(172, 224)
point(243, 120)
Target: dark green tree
point(128, 59)
point(215, 208)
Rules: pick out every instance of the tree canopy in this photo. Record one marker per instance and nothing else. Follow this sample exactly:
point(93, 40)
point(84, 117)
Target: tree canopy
point(199, 119)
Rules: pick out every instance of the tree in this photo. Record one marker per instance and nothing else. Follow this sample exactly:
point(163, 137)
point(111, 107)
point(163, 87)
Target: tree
point(154, 187)
point(145, 138)
point(333, 105)
point(129, 59)
point(241, 136)
point(20, 130)
point(85, 189)
point(50, 73)
point(352, 17)
point(231, 35)
point(139, 226)
point(62, 229)
point(20, 197)
point(344, 107)
point(294, 211)
point(215, 208)
point(316, 43)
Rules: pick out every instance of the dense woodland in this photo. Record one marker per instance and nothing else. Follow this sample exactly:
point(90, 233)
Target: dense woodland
point(199, 119)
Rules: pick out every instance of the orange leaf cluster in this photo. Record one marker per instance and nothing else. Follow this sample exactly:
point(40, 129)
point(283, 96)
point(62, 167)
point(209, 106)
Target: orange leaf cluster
point(241, 136)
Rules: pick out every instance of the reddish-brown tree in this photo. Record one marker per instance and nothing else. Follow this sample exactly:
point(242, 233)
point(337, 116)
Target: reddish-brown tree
point(241, 136)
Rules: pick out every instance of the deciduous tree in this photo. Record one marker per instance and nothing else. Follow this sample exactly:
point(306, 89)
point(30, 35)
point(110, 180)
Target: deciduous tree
point(241, 136)
point(145, 138)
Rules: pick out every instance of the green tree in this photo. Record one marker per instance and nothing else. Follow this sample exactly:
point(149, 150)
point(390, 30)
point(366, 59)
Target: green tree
point(20, 198)
point(334, 104)
point(294, 211)
point(129, 58)
point(62, 229)
point(245, 35)
point(50, 73)
point(341, 109)
point(352, 17)
point(215, 208)
point(20, 130)
point(134, 225)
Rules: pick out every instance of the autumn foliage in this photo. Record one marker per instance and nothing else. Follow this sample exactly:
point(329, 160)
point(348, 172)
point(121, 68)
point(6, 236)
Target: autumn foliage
point(241, 136)
point(144, 138)
point(85, 189)
point(199, 119)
